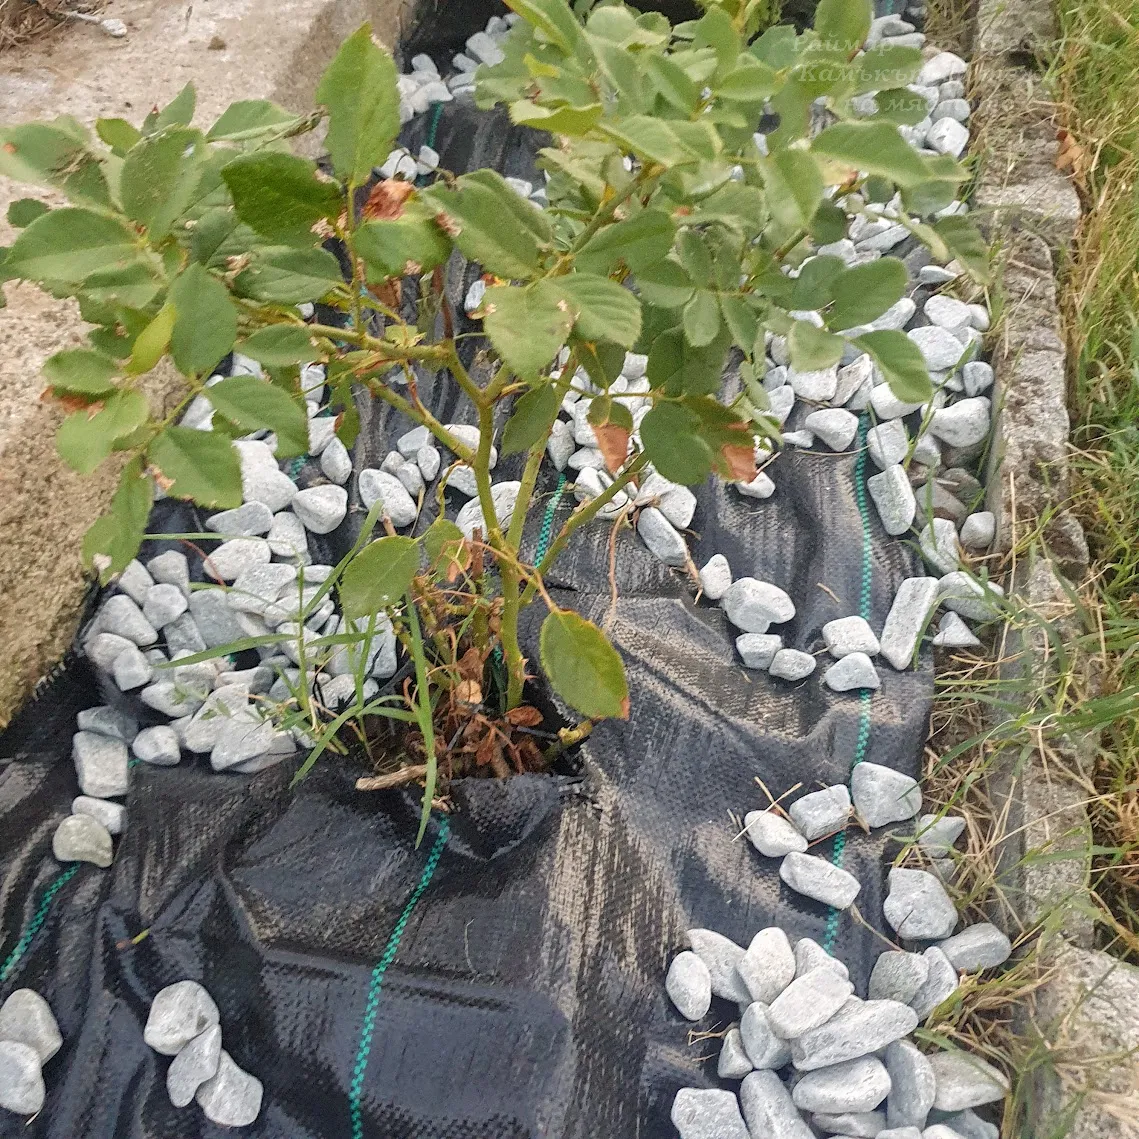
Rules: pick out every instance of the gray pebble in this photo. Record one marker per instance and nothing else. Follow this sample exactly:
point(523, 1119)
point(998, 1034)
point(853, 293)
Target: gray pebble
point(380, 486)
point(952, 109)
point(335, 462)
point(948, 136)
point(847, 635)
point(707, 1113)
point(772, 835)
point(911, 1085)
point(936, 275)
point(100, 763)
point(111, 816)
point(245, 521)
point(817, 386)
point(157, 745)
point(970, 1125)
point(856, 1085)
point(410, 442)
point(195, 1064)
point(504, 495)
point(261, 479)
point(964, 1080)
point(168, 697)
point(721, 955)
point(428, 460)
point(258, 587)
point(689, 985)
point(940, 1131)
point(816, 878)
point(661, 537)
point(946, 312)
point(893, 498)
point(856, 670)
point(936, 835)
point(287, 537)
point(321, 432)
point(121, 616)
point(134, 581)
point(780, 402)
point(858, 1028)
point(887, 405)
point(808, 1002)
point(798, 439)
point(980, 946)
point(757, 650)
point(964, 423)
point(21, 1084)
point(952, 89)
point(560, 446)
point(108, 721)
point(979, 601)
point(978, 530)
point(834, 426)
point(171, 568)
point(232, 1097)
point(917, 906)
point(769, 1110)
point(233, 557)
point(760, 487)
point(907, 617)
point(856, 1124)
point(809, 954)
point(183, 634)
point(178, 1013)
point(764, 1049)
point(939, 348)
point(900, 1133)
point(897, 976)
point(103, 649)
point(80, 838)
point(941, 984)
point(768, 965)
point(853, 378)
point(821, 813)
point(164, 603)
point(792, 664)
point(201, 734)
point(882, 795)
point(216, 622)
point(715, 577)
point(938, 543)
point(131, 668)
point(243, 737)
point(753, 605)
point(26, 1018)
point(977, 377)
point(321, 508)
point(733, 1063)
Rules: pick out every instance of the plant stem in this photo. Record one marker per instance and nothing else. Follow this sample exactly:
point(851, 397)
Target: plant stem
point(422, 417)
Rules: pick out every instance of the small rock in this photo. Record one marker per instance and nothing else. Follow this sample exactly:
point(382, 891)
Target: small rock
point(888, 443)
point(245, 521)
point(232, 1097)
point(882, 795)
point(952, 109)
point(834, 426)
point(780, 402)
point(661, 537)
point(109, 815)
point(757, 650)
point(816, 878)
point(893, 498)
point(164, 603)
point(938, 544)
point(821, 812)
point(81, 838)
point(852, 1124)
point(261, 479)
point(243, 736)
point(808, 1002)
point(178, 1013)
point(898, 976)
point(103, 649)
point(689, 985)
point(721, 955)
point(856, 670)
point(760, 487)
point(257, 588)
point(802, 439)
point(769, 1110)
point(205, 726)
point(965, 1081)
point(428, 461)
point(157, 745)
point(753, 605)
point(380, 486)
point(321, 432)
point(847, 635)
point(100, 763)
point(768, 965)
point(955, 634)
point(917, 906)
point(26, 1018)
point(410, 442)
point(936, 275)
point(940, 1131)
point(287, 537)
point(945, 65)
point(792, 664)
point(707, 1113)
point(168, 697)
point(773, 836)
point(977, 377)
point(134, 581)
point(963, 424)
point(171, 568)
point(979, 601)
point(818, 386)
point(809, 954)
point(911, 1085)
point(321, 508)
point(856, 1085)
point(335, 462)
point(939, 348)
point(504, 495)
point(195, 1064)
point(733, 1063)
point(131, 668)
point(763, 1048)
point(887, 405)
point(940, 985)
point(900, 1133)
point(946, 312)
point(232, 558)
point(907, 617)
point(21, 1084)
point(978, 530)
point(121, 616)
point(857, 1029)
point(936, 835)
point(980, 946)
point(715, 577)
point(969, 1125)
point(948, 136)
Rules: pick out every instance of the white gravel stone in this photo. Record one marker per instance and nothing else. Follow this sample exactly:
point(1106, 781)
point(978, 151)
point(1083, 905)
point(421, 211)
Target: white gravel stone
point(261, 479)
point(178, 1013)
point(854, 378)
point(939, 348)
point(753, 605)
point(428, 461)
point(245, 521)
point(757, 650)
point(121, 616)
point(335, 462)
point(244, 736)
point(948, 136)
point(940, 985)
point(857, 1029)
point(980, 946)
point(856, 1085)
point(809, 954)
point(110, 815)
point(561, 444)
point(773, 836)
point(964, 1080)
point(911, 1085)
point(888, 443)
point(504, 495)
point(816, 878)
point(287, 537)
point(131, 668)
point(936, 835)
point(761, 1045)
point(852, 1124)
point(321, 432)
point(768, 965)
point(257, 588)
point(134, 581)
point(917, 906)
point(964, 423)
point(945, 65)
point(808, 1002)
point(927, 451)
point(171, 568)
point(321, 508)
point(216, 622)
point(938, 543)
point(897, 976)
point(821, 813)
point(164, 603)
point(834, 426)
point(158, 745)
point(781, 401)
point(977, 377)
point(818, 386)
point(760, 487)
point(26, 1018)
point(410, 442)
point(195, 1064)
point(233, 557)
point(936, 275)
point(661, 537)
point(232, 1097)
point(979, 601)
point(769, 1110)
point(882, 795)
point(952, 109)
point(715, 577)
point(721, 955)
point(733, 1063)
point(887, 405)
point(100, 763)
point(947, 312)
point(847, 635)
point(103, 649)
point(107, 721)
point(978, 530)
point(689, 985)
point(205, 726)
point(380, 486)
point(582, 429)
point(969, 1125)
point(792, 664)
point(21, 1084)
point(707, 1113)
point(911, 607)
point(856, 670)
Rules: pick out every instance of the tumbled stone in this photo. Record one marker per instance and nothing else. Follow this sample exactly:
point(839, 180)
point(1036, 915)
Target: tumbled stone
point(882, 795)
point(753, 605)
point(760, 487)
point(977, 376)
point(107, 721)
point(768, 1108)
point(81, 838)
point(504, 496)
point(707, 1113)
point(758, 650)
point(232, 1097)
point(733, 1063)
point(858, 1028)
point(380, 486)
point(940, 349)
point(852, 1124)
point(184, 634)
point(894, 499)
point(768, 965)
point(164, 603)
point(897, 976)
point(821, 813)
point(171, 568)
point(103, 649)
point(834, 426)
point(953, 633)
point(111, 816)
point(715, 577)
point(964, 594)
point(772, 835)
point(964, 1080)
point(964, 423)
point(792, 664)
point(818, 386)
point(940, 1131)
point(780, 402)
point(21, 1084)
point(233, 557)
point(134, 581)
point(131, 669)
point(887, 406)
point(244, 736)
point(661, 537)
point(978, 530)
point(26, 1018)
point(946, 312)
point(940, 985)
point(907, 617)
point(900, 1133)
point(938, 544)
point(808, 1002)
point(980, 946)
point(917, 906)
point(816, 878)
point(335, 462)
point(121, 616)
point(157, 745)
point(809, 954)
point(100, 763)
point(847, 635)
point(911, 1085)
point(178, 1013)
point(321, 508)
point(721, 955)
point(195, 1064)
point(246, 521)
point(936, 835)
point(855, 670)
point(216, 622)
point(261, 479)
point(969, 1125)
point(948, 136)
point(945, 65)
point(856, 1085)
point(763, 1048)
point(689, 985)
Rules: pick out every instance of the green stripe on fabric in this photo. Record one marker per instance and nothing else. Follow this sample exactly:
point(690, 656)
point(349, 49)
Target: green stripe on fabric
point(862, 743)
point(547, 531)
point(371, 1005)
point(38, 919)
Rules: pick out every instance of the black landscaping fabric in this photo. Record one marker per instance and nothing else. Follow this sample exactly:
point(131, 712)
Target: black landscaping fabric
point(526, 997)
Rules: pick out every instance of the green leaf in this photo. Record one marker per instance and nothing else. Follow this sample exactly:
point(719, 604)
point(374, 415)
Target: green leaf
point(88, 436)
point(664, 284)
point(406, 246)
point(777, 47)
point(741, 321)
point(81, 371)
point(669, 432)
point(24, 211)
point(639, 241)
point(864, 293)
point(54, 154)
point(715, 30)
point(585, 670)
point(279, 345)
point(876, 148)
point(701, 319)
point(843, 24)
point(250, 118)
point(179, 112)
point(151, 342)
point(883, 67)
point(811, 348)
point(67, 245)
point(379, 575)
point(254, 404)
point(901, 106)
point(671, 83)
point(443, 543)
point(554, 19)
point(206, 320)
point(901, 363)
point(647, 138)
point(159, 177)
point(279, 195)
point(118, 134)
point(199, 465)
point(750, 82)
point(603, 309)
point(694, 256)
point(117, 535)
point(527, 325)
point(966, 244)
point(812, 288)
point(525, 213)
point(133, 286)
point(283, 275)
point(210, 233)
point(794, 187)
point(531, 420)
point(359, 90)
point(573, 121)
point(680, 368)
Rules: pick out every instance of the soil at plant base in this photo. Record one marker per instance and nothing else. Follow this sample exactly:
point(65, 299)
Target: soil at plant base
point(229, 54)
